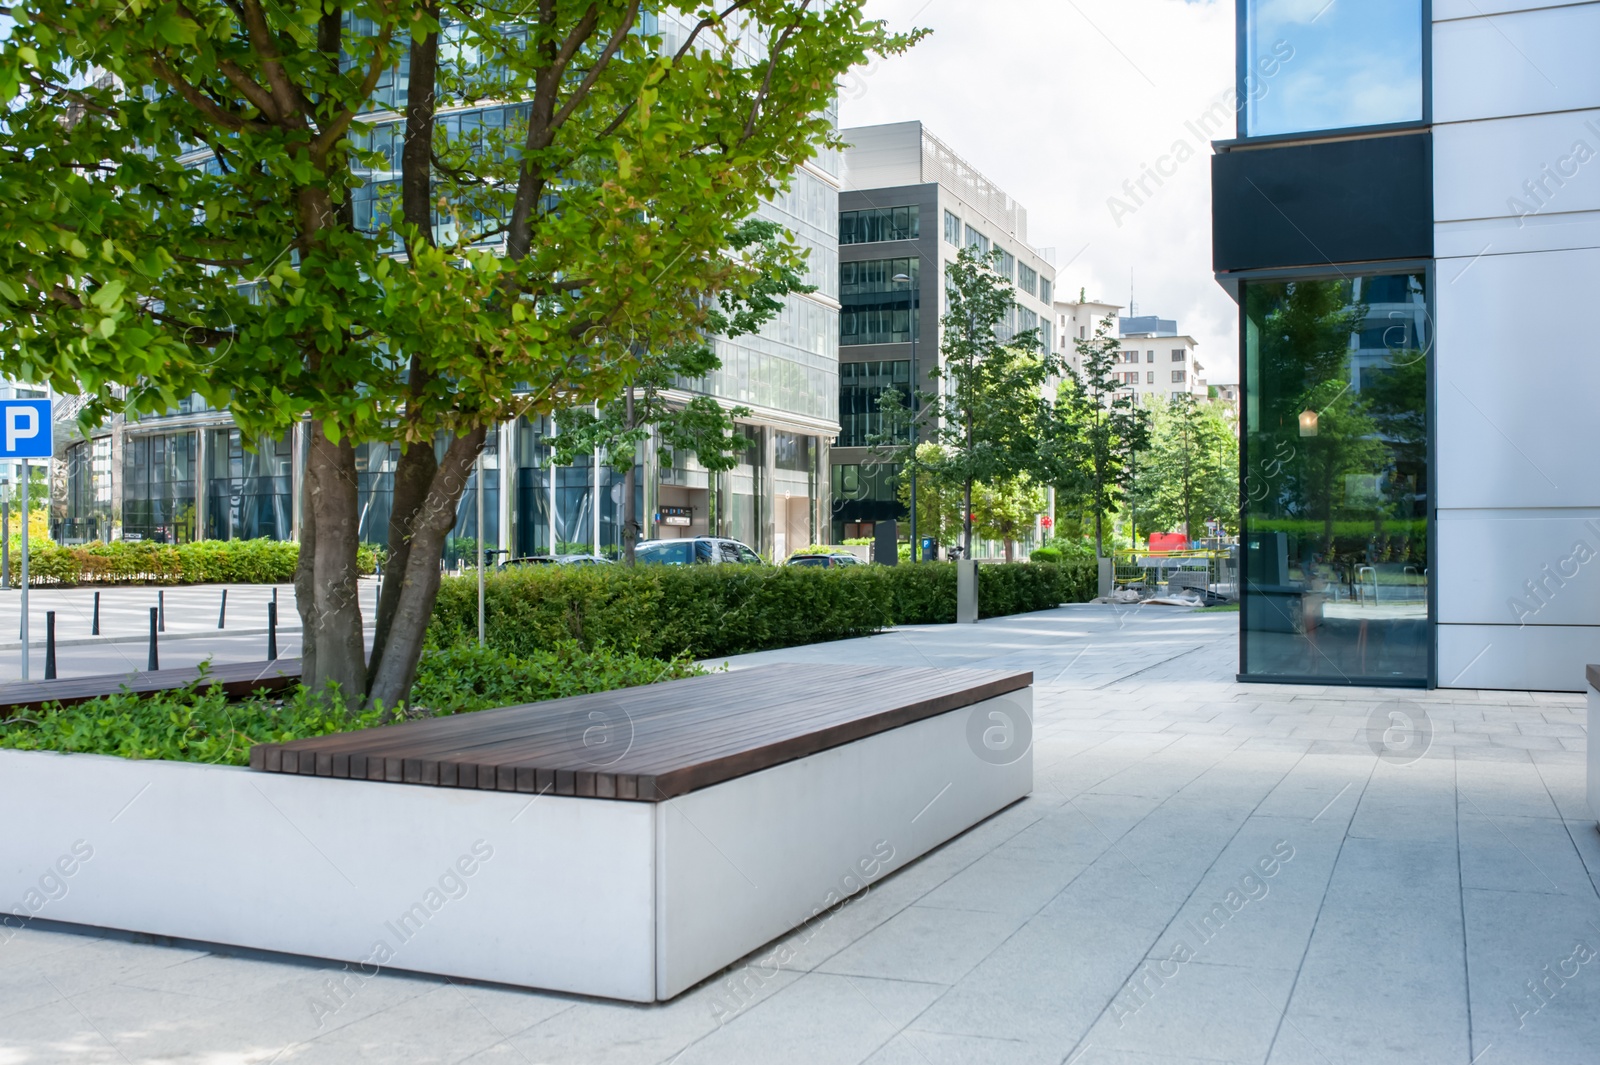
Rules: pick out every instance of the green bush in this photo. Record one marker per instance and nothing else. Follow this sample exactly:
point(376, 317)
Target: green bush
point(199, 723)
point(200, 562)
point(1046, 554)
point(662, 612)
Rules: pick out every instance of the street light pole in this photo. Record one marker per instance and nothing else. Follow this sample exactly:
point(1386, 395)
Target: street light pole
point(912, 297)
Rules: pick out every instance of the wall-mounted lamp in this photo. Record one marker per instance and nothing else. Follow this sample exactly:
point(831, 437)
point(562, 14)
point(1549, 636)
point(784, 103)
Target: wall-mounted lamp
point(1308, 423)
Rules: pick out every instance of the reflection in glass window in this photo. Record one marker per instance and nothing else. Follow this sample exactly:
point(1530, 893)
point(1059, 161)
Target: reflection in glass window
point(1315, 65)
point(880, 224)
point(861, 388)
point(1028, 280)
point(952, 229)
point(877, 308)
point(1335, 540)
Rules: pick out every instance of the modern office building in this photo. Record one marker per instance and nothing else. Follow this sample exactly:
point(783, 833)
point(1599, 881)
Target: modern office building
point(909, 205)
point(1411, 201)
point(189, 475)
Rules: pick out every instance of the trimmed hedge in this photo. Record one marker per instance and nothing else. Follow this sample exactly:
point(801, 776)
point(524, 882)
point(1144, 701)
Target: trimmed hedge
point(711, 611)
point(201, 562)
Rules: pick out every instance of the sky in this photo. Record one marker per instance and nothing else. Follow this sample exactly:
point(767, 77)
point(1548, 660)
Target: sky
point(1062, 102)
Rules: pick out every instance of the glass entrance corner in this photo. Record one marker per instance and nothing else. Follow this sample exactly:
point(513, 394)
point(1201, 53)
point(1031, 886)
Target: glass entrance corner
point(1336, 527)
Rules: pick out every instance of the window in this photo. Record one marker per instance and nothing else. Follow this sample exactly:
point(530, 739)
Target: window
point(952, 230)
point(861, 388)
point(1083, 332)
point(1131, 378)
point(1313, 66)
point(1177, 354)
point(1046, 291)
point(1028, 280)
point(1007, 266)
point(1149, 356)
point(876, 309)
point(1150, 378)
point(1178, 377)
point(880, 224)
point(1047, 334)
point(1178, 396)
point(1337, 500)
point(978, 241)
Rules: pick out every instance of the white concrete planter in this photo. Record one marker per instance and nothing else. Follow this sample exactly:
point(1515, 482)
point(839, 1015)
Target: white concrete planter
point(627, 900)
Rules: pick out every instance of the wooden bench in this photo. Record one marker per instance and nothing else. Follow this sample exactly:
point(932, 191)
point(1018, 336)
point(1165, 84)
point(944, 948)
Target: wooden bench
point(625, 845)
point(238, 680)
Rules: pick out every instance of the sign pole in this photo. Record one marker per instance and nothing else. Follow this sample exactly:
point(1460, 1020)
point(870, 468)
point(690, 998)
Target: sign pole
point(24, 569)
point(478, 491)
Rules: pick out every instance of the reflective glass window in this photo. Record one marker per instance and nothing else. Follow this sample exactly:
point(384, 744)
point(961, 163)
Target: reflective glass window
point(1335, 541)
point(1331, 64)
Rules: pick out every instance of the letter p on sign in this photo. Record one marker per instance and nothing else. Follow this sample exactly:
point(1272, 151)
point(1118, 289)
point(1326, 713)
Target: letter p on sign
point(25, 429)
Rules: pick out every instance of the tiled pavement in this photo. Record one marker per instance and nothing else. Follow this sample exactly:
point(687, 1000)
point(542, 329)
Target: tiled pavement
point(1206, 872)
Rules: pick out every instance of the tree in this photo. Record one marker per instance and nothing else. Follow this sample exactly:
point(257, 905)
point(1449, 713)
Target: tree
point(198, 203)
point(1007, 510)
point(1112, 426)
point(992, 413)
point(1189, 473)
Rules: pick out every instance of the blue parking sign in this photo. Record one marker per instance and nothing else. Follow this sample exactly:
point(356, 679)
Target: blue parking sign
point(25, 429)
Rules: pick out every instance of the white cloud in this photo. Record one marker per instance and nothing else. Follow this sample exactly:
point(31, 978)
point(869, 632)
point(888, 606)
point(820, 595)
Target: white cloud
point(1060, 102)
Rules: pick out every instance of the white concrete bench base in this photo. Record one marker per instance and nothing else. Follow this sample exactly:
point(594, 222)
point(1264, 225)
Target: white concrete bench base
point(626, 900)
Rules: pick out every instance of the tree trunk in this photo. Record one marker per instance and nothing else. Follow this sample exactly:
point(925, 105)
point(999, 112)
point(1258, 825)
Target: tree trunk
point(1010, 549)
point(412, 479)
point(327, 590)
point(402, 647)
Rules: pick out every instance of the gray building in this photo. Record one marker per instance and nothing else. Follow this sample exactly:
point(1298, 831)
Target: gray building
point(1420, 503)
point(909, 205)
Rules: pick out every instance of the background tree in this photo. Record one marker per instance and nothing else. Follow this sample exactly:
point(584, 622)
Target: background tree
point(1007, 510)
point(196, 205)
point(1189, 473)
point(1108, 421)
point(939, 501)
point(992, 413)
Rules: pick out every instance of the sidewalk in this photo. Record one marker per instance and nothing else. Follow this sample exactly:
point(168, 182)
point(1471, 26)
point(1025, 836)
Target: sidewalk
point(1206, 872)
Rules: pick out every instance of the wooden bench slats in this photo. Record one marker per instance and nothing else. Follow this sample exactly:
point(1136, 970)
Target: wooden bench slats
point(671, 738)
point(238, 680)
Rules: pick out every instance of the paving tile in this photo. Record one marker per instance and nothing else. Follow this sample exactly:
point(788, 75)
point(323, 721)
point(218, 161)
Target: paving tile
point(1232, 1012)
point(924, 943)
point(1534, 854)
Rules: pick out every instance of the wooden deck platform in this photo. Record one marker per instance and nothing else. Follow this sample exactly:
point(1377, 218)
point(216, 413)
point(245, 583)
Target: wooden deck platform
point(238, 679)
point(648, 743)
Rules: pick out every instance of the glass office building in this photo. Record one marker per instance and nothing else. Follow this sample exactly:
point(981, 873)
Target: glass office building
point(1324, 235)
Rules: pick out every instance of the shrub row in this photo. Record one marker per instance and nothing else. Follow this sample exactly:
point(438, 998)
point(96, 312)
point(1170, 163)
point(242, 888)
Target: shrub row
point(709, 611)
point(201, 562)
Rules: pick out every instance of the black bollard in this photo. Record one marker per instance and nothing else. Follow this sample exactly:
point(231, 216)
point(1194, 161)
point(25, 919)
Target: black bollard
point(155, 624)
point(222, 613)
point(161, 604)
point(95, 628)
point(272, 631)
point(49, 645)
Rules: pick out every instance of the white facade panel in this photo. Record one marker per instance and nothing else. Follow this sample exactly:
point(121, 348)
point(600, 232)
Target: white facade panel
point(1515, 388)
point(1459, 9)
point(1512, 658)
point(1467, 241)
point(1519, 567)
point(1522, 63)
point(1517, 168)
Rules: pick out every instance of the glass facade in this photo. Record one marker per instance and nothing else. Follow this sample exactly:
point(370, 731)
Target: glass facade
point(877, 309)
point(1336, 485)
point(248, 493)
point(861, 386)
point(863, 495)
point(1321, 66)
point(158, 500)
point(880, 224)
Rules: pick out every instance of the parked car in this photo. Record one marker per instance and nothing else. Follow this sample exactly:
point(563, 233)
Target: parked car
point(560, 560)
point(695, 550)
point(819, 558)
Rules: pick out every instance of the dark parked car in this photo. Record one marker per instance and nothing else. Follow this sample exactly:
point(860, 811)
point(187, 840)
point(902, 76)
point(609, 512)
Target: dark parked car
point(695, 550)
point(817, 558)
